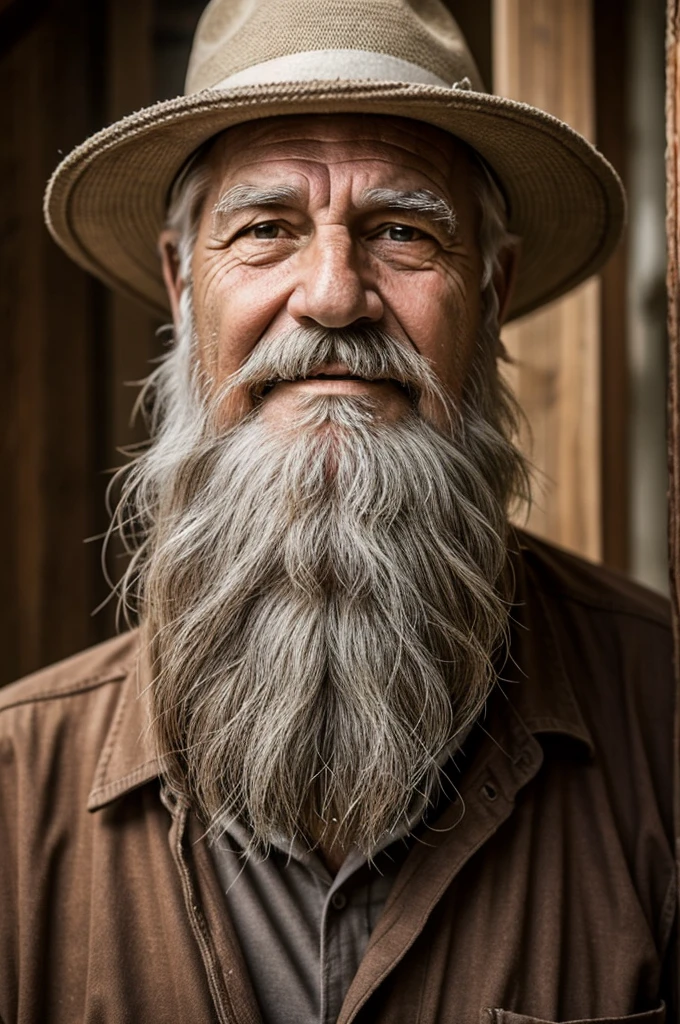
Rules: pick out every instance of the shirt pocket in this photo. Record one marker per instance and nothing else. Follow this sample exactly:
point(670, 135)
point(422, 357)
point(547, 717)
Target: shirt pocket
point(657, 1016)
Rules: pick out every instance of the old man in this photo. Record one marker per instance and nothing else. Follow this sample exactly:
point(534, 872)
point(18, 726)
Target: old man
point(373, 755)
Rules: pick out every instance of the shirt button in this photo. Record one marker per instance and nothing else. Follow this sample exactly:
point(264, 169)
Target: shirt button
point(490, 792)
point(339, 900)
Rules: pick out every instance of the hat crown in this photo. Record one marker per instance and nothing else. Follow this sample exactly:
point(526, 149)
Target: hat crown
point(392, 40)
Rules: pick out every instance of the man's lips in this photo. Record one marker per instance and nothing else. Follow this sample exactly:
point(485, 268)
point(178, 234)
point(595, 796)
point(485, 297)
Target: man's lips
point(333, 378)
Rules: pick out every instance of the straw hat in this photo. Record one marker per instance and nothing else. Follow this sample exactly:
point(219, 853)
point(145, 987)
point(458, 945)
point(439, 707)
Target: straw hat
point(106, 202)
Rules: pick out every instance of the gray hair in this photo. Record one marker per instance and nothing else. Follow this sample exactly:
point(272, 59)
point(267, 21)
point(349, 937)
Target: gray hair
point(322, 603)
point(185, 206)
point(322, 607)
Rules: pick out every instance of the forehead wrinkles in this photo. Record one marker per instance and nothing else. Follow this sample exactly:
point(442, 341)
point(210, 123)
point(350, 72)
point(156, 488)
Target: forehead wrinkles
point(396, 148)
point(319, 188)
point(321, 176)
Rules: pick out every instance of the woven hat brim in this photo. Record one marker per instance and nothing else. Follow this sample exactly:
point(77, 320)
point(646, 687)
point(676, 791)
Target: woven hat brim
point(106, 202)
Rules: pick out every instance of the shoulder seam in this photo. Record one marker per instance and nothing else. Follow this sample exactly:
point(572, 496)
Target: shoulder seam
point(617, 601)
point(614, 607)
point(71, 690)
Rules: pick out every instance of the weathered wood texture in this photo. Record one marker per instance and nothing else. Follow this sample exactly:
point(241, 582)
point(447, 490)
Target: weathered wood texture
point(673, 285)
point(66, 68)
point(474, 20)
point(66, 345)
point(543, 55)
point(611, 96)
point(69, 346)
point(48, 575)
point(132, 341)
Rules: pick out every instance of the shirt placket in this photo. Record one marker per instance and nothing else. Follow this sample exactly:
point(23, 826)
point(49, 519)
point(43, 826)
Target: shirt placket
point(231, 1006)
point(487, 792)
point(338, 940)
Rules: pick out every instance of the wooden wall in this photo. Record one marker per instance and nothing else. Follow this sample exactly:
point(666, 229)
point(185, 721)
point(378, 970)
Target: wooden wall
point(52, 376)
point(544, 53)
point(69, 346)
point(66, 68)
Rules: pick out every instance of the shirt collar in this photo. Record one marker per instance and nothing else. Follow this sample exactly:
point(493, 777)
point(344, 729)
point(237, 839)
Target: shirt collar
point(128, 757)
point(533, 678)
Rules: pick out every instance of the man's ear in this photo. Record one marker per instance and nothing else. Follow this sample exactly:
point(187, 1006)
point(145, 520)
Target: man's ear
point(505, 276)
point(174, 282)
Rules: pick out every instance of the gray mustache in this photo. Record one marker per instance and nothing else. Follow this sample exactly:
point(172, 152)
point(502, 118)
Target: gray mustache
point(370, 354)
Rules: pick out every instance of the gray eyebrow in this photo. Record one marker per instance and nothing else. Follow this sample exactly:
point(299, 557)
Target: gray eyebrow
point(244, 197)
point(421, 201)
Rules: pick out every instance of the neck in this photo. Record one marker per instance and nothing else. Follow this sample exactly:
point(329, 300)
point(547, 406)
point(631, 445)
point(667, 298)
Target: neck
point(331, 848)
point(332, 856)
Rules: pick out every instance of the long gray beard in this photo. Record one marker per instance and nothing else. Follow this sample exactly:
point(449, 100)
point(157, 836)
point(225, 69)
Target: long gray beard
point(321, 604)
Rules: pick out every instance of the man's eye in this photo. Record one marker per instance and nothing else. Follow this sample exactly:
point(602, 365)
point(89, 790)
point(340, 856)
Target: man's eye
point(265, 231)
point(401, 233)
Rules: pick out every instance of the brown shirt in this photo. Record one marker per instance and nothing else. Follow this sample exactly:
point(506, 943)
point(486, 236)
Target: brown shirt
point(545, 892)
point(303, 932)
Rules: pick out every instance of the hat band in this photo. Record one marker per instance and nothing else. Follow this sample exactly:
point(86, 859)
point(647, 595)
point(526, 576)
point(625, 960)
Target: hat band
point(330, 66)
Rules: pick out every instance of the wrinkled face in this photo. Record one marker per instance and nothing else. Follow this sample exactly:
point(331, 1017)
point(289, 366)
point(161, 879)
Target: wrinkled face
point(337, 221)
point(322, 581)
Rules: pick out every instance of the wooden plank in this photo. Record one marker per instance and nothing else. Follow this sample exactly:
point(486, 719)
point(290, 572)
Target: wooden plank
point(131, 340)
point(9, 440)
point(70, 566)
point(47, 423)
point(611, 92)
point(543, 55)
point(22, 401)
point(131, 343)
point(18, 18)
point(474, 20)
point(646, 300)
point(673, 287)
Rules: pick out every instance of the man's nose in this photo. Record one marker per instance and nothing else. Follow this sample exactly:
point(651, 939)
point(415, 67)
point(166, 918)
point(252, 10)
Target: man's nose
point(333, 290)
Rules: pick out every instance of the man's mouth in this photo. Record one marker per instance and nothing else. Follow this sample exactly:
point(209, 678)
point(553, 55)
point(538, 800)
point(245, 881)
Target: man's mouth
point(335, 373)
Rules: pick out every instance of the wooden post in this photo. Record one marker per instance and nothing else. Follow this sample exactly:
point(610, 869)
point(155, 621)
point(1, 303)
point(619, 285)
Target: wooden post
point(132, 342)
point(612, 96)
point(47, 574)
point(543, 55)
point(673, 285)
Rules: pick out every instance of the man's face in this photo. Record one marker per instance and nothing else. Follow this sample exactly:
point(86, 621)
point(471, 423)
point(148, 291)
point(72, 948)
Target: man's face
point(324, 221)
point(322, 577)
